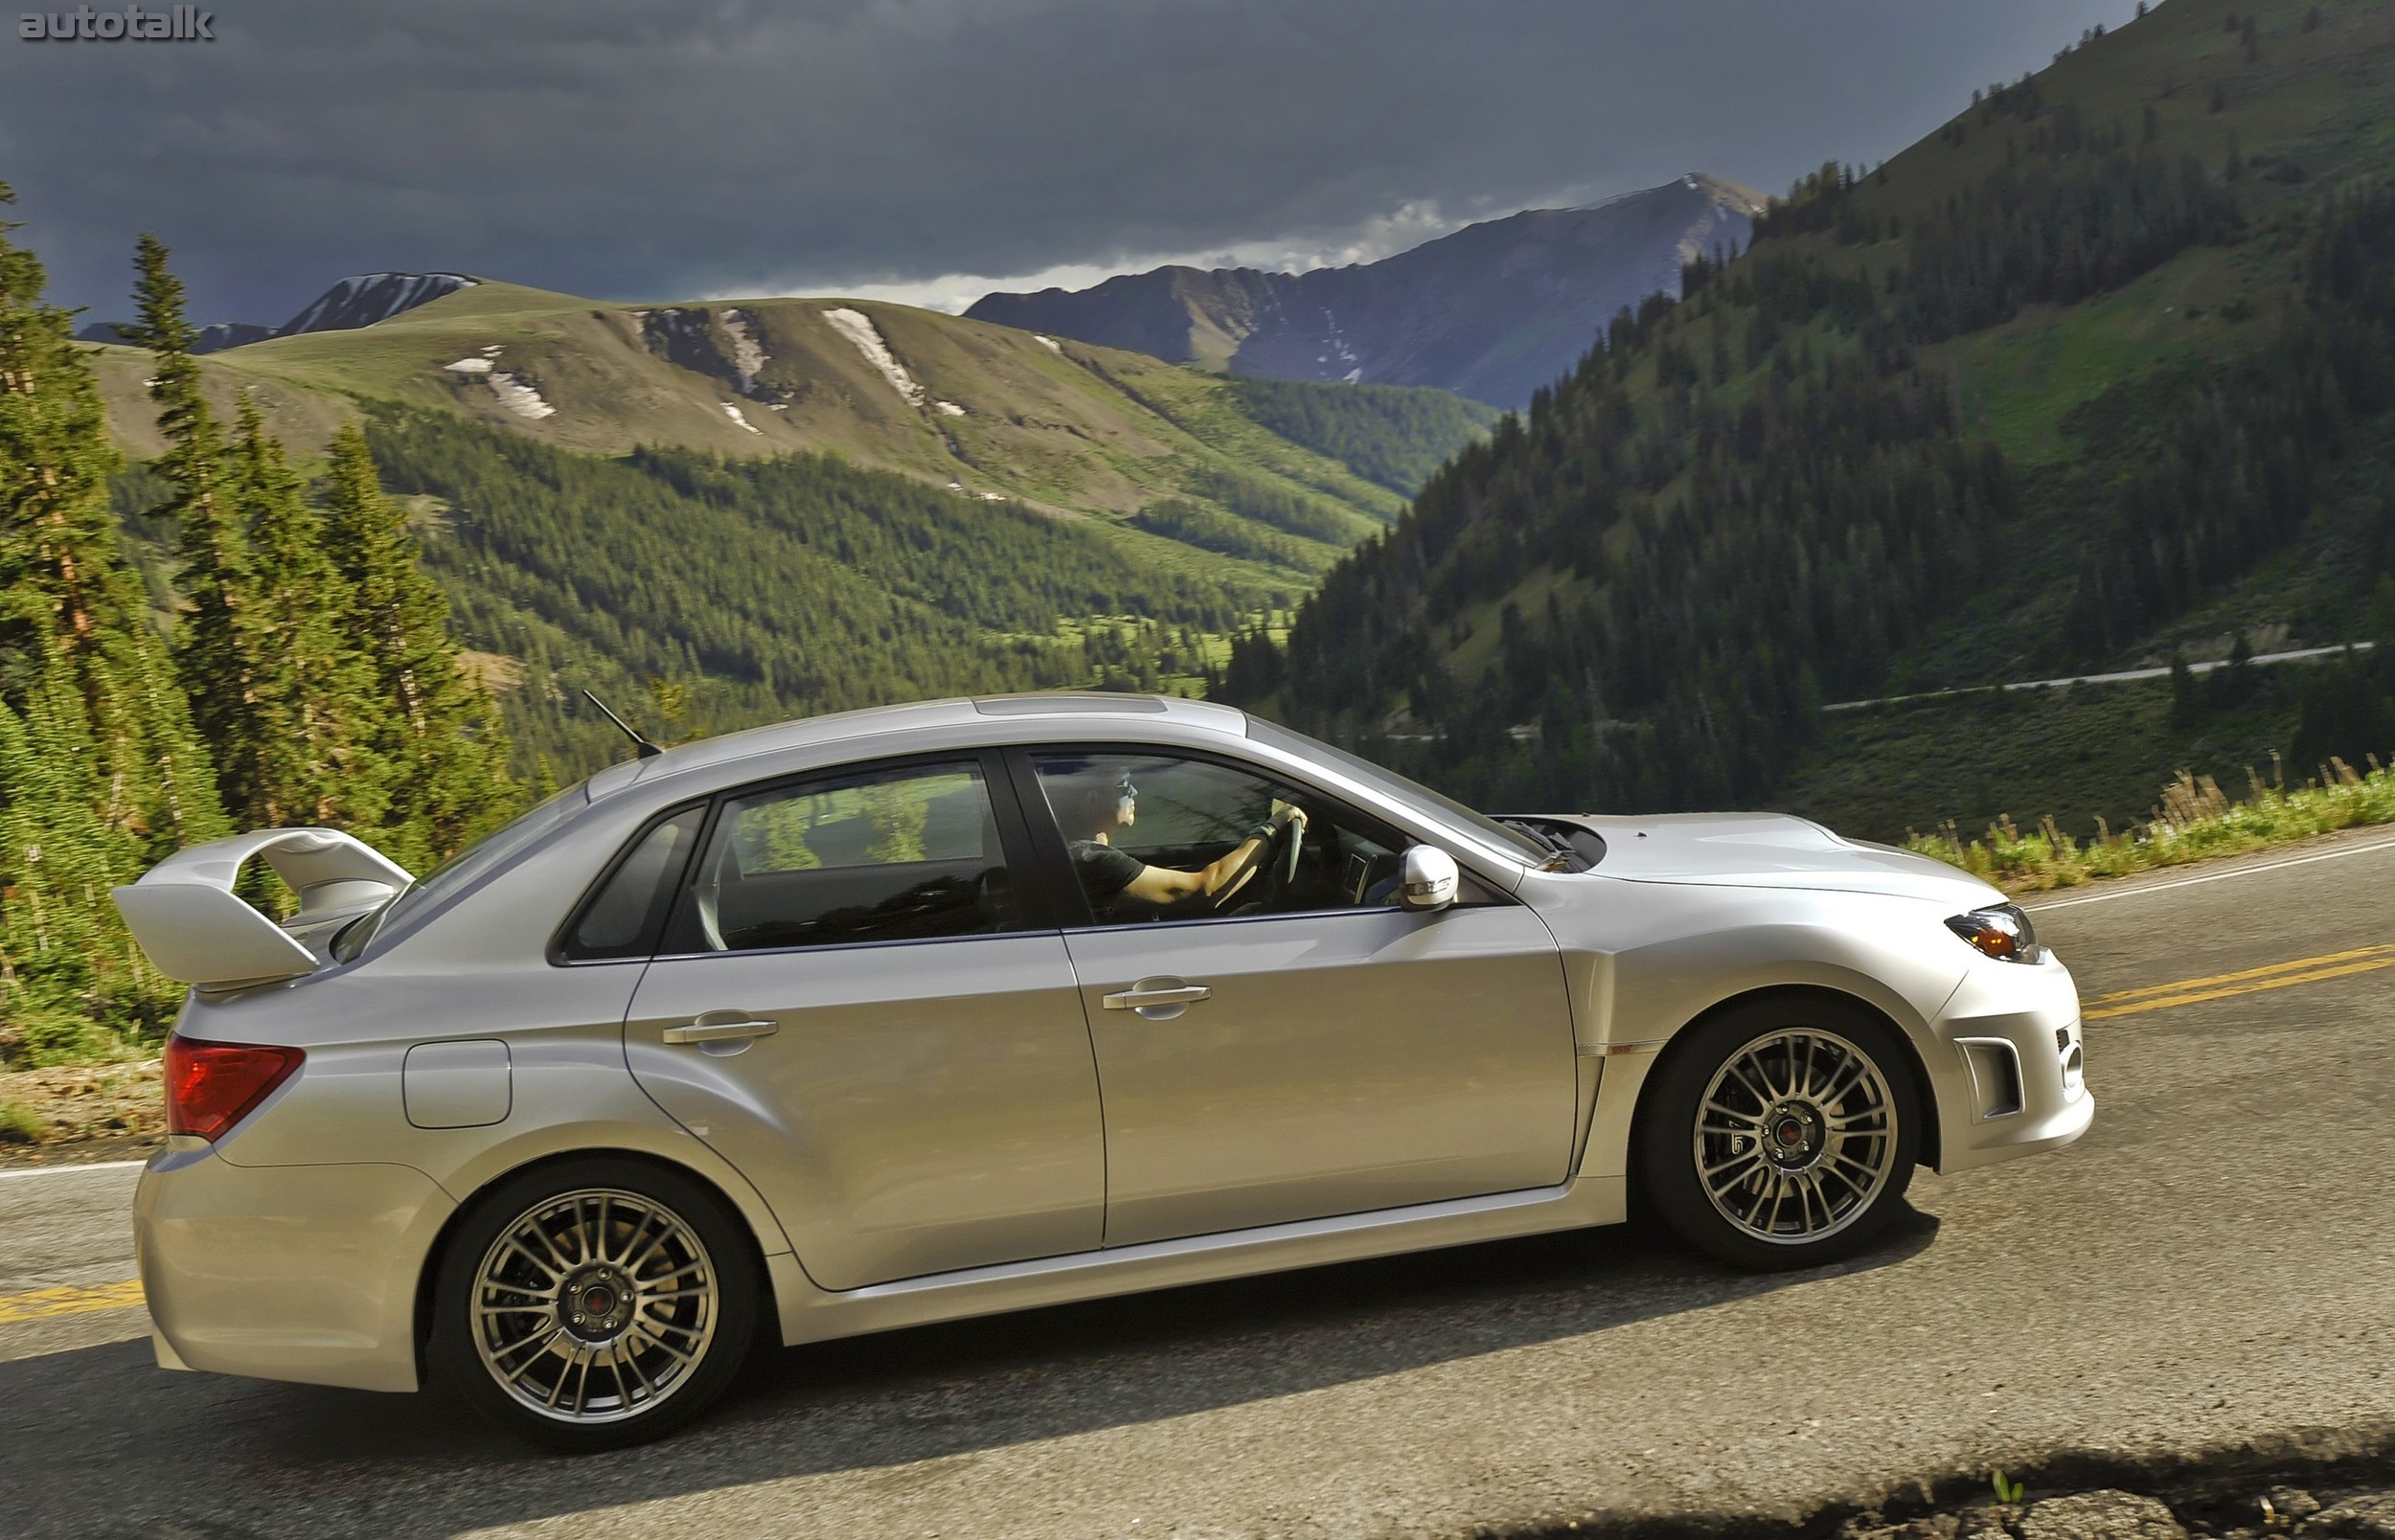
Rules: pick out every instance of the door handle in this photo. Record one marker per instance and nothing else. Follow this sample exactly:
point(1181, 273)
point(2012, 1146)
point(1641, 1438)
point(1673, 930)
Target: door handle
point(1158, 1001)
point(703, 1031)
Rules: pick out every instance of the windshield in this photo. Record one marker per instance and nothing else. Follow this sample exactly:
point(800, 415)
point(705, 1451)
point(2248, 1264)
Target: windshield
point(1437, 806)
point(469, 864)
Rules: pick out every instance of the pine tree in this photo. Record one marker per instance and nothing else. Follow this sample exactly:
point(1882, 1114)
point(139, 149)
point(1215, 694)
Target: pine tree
point(438, 732)
point(217, 646)
point(313, 713)
point(100, 769)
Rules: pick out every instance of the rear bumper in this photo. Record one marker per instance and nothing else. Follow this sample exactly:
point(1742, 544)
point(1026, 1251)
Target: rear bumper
point(303, 1273)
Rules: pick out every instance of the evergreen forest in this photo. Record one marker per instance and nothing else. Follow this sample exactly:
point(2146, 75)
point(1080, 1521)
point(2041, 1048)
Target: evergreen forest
point(310, 676)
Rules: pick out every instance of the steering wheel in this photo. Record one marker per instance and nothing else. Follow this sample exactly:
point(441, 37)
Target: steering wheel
point(1293, 834)
point(1277, 860)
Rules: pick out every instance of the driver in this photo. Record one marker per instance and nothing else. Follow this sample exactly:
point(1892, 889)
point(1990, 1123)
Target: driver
point(1091, 808)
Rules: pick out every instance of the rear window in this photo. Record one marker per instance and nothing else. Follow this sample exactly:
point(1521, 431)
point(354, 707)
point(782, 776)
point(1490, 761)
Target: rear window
point(484, 855)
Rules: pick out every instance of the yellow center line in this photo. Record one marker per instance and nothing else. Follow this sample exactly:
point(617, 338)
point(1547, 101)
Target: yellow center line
point(2254, 986)
point(70, 1300)
point(2299, 964)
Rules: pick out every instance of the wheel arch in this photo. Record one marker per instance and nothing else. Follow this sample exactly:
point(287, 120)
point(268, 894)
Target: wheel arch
point(428, 1275)
point(1789, 994)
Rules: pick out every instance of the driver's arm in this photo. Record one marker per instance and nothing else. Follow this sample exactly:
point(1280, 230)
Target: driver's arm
point(1162, 885)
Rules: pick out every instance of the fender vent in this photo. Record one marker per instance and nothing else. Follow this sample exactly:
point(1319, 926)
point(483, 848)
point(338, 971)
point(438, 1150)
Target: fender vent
point(1994, 1073)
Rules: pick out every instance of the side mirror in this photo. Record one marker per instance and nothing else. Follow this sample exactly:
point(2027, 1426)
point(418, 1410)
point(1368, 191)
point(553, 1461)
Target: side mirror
point(1427, 880)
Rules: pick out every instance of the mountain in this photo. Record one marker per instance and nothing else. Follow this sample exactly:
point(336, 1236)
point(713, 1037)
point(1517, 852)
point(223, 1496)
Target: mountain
point(2097, 375)
point(351, 304)
point(776, 506)
point(981, 410)
point(363, 301)
point(1493, 311)
point(214, 338)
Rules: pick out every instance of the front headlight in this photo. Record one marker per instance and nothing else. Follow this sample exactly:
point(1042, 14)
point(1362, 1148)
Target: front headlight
point(2003, 931)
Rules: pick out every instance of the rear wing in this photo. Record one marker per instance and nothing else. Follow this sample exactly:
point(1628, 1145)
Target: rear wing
point(195, 929)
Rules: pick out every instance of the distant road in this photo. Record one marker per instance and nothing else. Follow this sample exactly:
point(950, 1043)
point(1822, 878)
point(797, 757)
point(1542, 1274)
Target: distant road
point(2300, 655)
point(2213, 1265)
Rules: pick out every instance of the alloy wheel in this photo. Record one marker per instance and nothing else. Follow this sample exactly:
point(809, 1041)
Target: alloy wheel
point(595, 1305)
point(1796, 1135)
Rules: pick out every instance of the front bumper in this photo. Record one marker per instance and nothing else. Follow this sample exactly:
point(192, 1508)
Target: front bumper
point(300, 1273)
point(2007, 1065)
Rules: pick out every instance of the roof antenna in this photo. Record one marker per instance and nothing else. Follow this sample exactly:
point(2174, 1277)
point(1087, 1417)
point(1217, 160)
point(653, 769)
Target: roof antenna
point(646, 750)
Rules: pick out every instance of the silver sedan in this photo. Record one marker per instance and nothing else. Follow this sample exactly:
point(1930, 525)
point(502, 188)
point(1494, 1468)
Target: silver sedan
point(943, 1009)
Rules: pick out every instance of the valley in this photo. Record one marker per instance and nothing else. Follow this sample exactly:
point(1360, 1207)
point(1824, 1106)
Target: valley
point(774, 508)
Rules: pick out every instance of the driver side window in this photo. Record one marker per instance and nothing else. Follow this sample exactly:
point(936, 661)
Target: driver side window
point(1120, 814)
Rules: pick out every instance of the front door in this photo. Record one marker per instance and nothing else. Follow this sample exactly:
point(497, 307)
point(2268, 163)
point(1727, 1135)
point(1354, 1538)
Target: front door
point(1344, 1055)
point(849, 1008)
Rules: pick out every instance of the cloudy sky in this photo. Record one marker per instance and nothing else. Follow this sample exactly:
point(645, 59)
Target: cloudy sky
point(929, 150)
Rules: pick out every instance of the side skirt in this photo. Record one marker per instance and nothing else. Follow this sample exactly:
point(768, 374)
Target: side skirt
point(809, 1314)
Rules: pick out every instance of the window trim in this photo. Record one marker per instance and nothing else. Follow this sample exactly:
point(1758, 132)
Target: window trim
point(1014, 848)
point(1062, 890)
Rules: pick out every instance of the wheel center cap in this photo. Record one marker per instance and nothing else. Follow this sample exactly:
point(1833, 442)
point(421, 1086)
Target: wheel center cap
point(1795, 1135)
point(597, 1304)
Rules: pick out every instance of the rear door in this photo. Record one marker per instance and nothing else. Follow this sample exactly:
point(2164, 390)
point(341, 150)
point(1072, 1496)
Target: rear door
point(852, 1007)
point(1341, 1054)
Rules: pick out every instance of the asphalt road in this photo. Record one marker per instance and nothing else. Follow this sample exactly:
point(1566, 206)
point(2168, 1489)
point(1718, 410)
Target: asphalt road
point(2212, 1266)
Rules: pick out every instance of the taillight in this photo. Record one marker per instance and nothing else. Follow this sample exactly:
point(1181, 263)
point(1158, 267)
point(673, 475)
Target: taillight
point(211, 1086)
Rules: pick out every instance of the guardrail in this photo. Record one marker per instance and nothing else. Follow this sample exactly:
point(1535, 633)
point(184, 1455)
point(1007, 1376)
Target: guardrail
point(2123, 676)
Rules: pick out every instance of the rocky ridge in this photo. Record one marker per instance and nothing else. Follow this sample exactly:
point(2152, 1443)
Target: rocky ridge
point(356, 301)
point(1493, 311)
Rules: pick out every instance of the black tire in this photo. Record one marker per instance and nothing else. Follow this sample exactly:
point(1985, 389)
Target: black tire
point(688, 1232)
point(1846, 1170)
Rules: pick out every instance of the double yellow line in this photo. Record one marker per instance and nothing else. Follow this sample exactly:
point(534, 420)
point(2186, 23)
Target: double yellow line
point(2250, 981)
point(39, 1304)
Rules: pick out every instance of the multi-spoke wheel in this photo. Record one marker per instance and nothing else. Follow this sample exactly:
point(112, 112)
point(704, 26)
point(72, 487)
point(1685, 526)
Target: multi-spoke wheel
point(1781, 1134)
point(595, 1304)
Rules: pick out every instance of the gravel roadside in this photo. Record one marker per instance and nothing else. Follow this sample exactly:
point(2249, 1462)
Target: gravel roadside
point(96, 1112)
point(2348, 1496)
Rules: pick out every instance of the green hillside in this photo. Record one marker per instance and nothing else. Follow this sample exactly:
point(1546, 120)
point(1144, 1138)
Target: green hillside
point(758, 589)
point(1058, 425)
point(2099, 371)
point(778, 507)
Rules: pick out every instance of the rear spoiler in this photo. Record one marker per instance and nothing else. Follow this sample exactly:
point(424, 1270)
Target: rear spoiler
point(195, 930)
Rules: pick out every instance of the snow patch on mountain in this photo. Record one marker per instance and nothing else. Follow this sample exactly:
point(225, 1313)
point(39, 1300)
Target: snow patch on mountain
point(858, 327)
point(1051, 344)
point(748, 355)
point(470, 365)
point(949, 409)
point(731, 408)
point(519, 398)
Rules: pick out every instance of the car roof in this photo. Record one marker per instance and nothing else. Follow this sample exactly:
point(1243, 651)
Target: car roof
point(1104, 712)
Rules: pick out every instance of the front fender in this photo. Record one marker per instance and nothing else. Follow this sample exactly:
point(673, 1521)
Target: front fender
point(1645, 959)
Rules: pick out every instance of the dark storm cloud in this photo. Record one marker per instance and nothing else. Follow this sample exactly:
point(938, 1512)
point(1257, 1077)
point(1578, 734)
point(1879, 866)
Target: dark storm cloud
point(644, 151)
